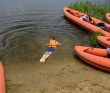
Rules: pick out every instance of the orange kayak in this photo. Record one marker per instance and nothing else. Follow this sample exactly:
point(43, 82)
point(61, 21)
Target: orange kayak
point(72, 15)
point(105, 41)
point(108, 17)
point(2, 79)
point(94, 56)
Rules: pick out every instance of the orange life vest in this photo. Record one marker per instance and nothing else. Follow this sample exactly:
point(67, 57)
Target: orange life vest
point(52, 43)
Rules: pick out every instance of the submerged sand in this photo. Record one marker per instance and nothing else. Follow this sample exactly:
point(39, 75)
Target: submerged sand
point(69, 77)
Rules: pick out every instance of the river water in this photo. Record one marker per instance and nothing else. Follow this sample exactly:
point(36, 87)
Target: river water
point(25, 27)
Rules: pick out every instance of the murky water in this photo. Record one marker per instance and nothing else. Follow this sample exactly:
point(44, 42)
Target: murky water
point(25, 27)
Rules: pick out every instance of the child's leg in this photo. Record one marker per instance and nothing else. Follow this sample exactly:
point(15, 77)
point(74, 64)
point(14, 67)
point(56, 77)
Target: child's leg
point(48, 54)
point(44, 57)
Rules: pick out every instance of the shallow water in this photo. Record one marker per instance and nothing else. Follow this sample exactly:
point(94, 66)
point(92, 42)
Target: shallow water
point(25, 27)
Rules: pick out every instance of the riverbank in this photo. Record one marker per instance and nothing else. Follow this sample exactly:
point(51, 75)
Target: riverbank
point(73, 76)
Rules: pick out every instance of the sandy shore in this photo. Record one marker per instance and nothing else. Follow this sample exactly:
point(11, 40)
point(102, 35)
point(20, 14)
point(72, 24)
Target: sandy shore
point(57, 78)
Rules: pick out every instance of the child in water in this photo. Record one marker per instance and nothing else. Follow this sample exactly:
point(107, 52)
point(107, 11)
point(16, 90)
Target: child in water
point(51, 46)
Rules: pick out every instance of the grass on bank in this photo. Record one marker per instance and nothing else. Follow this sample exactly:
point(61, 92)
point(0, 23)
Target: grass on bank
point(94, 41)
point(97, 11)
point(7, 80)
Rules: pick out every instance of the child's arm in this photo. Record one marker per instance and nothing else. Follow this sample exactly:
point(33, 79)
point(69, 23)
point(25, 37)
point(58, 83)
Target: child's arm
point(58, 43)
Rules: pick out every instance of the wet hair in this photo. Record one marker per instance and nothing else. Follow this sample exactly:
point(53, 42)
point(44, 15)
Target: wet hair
point(52, 37)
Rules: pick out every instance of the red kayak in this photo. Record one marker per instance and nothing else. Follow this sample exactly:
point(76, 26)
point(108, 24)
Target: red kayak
point(2, 79)
point(108, 17)
point(104, 41)
point(75, 16)
point(94, 56)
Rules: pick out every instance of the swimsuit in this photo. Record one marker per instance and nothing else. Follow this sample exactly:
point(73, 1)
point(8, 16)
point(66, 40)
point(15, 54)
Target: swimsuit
point(50, 49)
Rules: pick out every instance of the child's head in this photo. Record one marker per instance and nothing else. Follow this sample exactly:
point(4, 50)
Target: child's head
point(52, 37)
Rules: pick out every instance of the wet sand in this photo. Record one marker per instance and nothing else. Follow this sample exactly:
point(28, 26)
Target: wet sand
point(50, 77)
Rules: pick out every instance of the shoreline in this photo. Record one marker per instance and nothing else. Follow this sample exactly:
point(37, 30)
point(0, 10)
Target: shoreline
point(74, 77)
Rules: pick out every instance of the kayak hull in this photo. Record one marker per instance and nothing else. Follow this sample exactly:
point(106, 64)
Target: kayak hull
point(2, 79)
point(104, 41)
point(94, 56)
point(108, 17)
